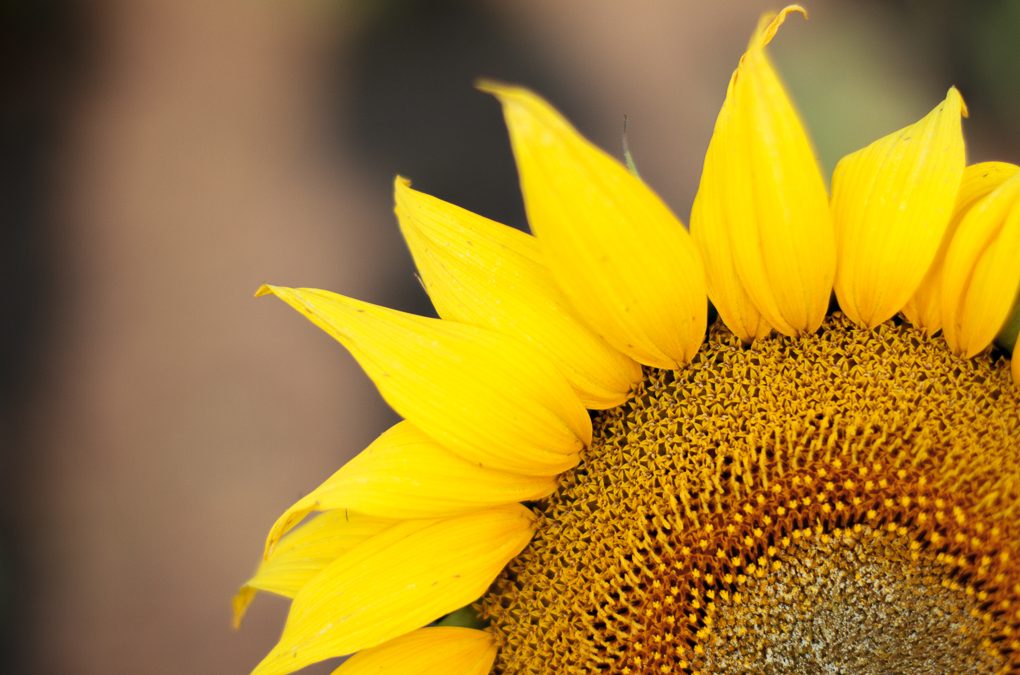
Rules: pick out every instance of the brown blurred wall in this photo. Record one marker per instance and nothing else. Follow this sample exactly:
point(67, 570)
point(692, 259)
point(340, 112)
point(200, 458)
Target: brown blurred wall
point(178, 415)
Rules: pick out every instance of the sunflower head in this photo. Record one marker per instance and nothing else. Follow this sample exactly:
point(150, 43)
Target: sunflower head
point(590, 476)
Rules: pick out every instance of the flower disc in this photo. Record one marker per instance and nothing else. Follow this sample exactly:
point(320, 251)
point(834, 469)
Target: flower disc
point(845, 501)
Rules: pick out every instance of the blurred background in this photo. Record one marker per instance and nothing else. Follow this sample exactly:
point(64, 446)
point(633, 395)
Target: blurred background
point(162, 158)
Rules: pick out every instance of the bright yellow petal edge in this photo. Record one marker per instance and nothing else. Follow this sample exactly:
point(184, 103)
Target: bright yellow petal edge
point(981, 274)
point(486, 396)
point(397, 581)
point(892, 202)
point(405, 474)
point(1015, 363)
point(439, 650)
point(481, 272)
point(625, 262)
point(761, 216)
point(304, 553)
point(924, 310)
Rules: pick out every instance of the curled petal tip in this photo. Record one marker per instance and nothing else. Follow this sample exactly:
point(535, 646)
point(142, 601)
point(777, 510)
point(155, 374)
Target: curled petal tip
point(240, 604)
point(494, 87)
point(401, 186)
point(265, 289)
point(956, 98)
point(761, 215)
point(770, 22)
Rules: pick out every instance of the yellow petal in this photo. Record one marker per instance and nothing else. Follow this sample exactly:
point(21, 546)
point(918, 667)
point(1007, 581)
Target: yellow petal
point(980, 276)
point(490, 398)
point(761, 216)
point(724, 287)
point(892, 202)
point(1015, 362)
point(924, 310)
point(305, 552)
point(393, 583)
point(480, 272)
point(625, 262)
point(440, 650)
point(405, 474)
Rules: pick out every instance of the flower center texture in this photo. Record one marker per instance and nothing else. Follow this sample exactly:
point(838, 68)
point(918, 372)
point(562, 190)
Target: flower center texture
point(844, 501)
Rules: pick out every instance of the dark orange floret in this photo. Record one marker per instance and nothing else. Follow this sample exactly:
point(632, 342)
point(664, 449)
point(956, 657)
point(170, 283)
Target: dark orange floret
point(847, 501)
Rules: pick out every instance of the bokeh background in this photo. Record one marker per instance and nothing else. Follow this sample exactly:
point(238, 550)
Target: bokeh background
point(162, 158)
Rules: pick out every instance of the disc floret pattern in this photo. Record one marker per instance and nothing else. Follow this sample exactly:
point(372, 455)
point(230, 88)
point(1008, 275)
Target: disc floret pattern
point(697, 496)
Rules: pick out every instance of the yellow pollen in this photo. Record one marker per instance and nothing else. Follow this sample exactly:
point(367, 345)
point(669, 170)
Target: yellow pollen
point(815, 500)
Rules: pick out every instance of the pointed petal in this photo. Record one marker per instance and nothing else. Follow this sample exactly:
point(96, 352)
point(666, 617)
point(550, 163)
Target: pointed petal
point(396, 582)
point(305, 552)
point(625, 262)
point(405, 474)
point(480, 272)
point(924, 310)
point(490, 398)
point(892, 202)
point(762, 216)
point(439, 650)
point(980, 276)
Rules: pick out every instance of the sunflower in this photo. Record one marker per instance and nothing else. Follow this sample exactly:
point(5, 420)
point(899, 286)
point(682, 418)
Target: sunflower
point(802, 484)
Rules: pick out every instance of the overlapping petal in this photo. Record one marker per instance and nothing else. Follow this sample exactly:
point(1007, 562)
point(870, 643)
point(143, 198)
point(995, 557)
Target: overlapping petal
point(480, 272)
point(305, 552)
point(624, 261)
point(732, 302)
point(441, 650)
point(406, 474)
point(924, 310)
point(761, 217)
point(490, 398)
point(981, 274)
point(892, 202)
point(396, 582)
